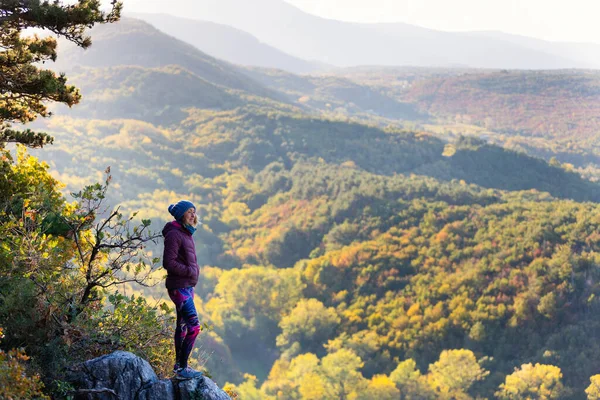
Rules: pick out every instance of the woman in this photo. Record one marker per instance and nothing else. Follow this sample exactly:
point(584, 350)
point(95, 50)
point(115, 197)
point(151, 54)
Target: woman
point(179, 259)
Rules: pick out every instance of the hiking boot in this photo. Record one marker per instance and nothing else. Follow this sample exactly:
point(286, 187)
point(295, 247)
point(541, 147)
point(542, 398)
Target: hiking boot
point(187, 373)
point(176, 368)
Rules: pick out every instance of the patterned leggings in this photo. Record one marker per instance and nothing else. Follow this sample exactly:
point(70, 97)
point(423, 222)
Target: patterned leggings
point(188, 325)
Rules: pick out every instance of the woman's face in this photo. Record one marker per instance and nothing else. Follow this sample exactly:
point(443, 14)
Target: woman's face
point(190, 216)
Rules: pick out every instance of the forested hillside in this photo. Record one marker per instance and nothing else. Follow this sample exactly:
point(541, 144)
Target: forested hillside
point(341, 260)
point(542, 113)
point(333, 95)
point(134, 42)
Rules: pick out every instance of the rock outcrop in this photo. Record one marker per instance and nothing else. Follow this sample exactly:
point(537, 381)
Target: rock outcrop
point(124, 376)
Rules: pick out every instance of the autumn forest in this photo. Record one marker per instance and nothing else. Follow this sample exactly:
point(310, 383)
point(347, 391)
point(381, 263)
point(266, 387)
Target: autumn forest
point(367, 233)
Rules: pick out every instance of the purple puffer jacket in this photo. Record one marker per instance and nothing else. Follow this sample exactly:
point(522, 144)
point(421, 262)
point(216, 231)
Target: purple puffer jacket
point(179, 257)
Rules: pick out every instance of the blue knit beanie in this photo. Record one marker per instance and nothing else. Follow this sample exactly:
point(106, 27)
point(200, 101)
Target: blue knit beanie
point(178, 209)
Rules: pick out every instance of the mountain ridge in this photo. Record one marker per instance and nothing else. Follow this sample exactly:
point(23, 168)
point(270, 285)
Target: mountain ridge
point(227, 43)
point(349, 44)
point(135, 42)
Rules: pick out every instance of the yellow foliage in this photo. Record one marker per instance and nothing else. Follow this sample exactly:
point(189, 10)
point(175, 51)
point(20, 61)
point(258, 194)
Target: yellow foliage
point(415, 309)
point(381, 387)
point(235, 212)
point(312, 387)
point(532, 381)
point(345, 257)
point(441, 236)
point(593, 391)
point(454, 373)
point(15, 383)
point(246, 390)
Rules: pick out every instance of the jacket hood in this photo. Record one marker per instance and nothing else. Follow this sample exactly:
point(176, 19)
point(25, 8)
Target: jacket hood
point(170, 226)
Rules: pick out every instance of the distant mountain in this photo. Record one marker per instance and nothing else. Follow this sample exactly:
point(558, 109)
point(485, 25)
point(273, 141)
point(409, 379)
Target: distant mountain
point(335, 94)
point(133, 42)
point(309, 37)
point(587, 54)
point(228, 43)
point(136, 72)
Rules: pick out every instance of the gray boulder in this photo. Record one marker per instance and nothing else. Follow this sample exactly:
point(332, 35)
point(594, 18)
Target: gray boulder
point(124, 376)
point(201, 388)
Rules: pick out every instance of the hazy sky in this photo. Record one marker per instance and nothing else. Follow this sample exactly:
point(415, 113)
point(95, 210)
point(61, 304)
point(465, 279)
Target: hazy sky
point(556, 20)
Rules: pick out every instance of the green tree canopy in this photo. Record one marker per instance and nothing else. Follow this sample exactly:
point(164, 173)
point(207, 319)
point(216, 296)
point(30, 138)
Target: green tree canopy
point(307, 327)
point(454, 373)
point(411, 383)
point(341, 373)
